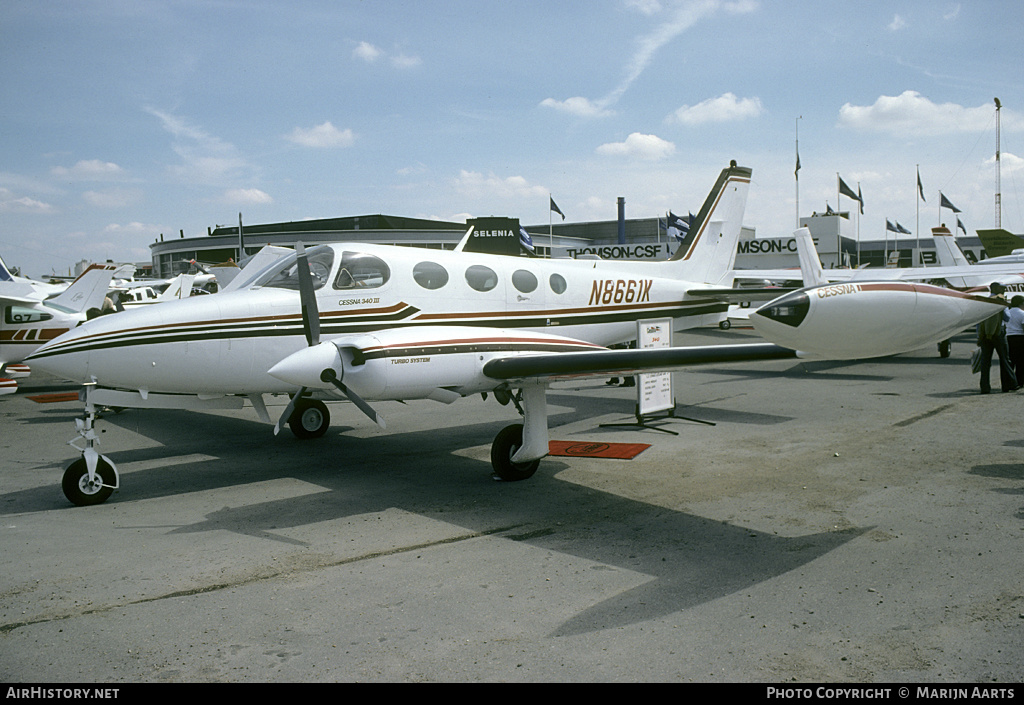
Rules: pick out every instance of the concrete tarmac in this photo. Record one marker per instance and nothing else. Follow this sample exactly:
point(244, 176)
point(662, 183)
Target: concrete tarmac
point(811, 522)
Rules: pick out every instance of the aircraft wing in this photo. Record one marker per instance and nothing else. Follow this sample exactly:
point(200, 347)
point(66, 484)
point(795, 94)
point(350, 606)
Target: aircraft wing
point(741, 295)
point(550, 367)
point(17, 293)
point(944, 272)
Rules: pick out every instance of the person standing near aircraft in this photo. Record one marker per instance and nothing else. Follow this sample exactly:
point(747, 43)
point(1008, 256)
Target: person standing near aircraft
point(992, 338)
point(1015, 337)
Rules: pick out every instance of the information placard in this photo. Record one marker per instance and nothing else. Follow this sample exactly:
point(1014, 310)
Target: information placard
point(654, 389)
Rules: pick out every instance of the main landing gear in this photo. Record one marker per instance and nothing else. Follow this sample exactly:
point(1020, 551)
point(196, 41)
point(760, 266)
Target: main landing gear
point(506, 443)
point(517, 449)
point(310, 419)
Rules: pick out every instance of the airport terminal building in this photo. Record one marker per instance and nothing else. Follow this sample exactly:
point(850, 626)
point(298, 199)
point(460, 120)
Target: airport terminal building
point(645, 238)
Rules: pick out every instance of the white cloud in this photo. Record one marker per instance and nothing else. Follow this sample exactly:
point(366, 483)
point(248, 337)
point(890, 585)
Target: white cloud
point(246, 196)
point(681, 17)
point(23, 204)
point(367, 52)
point(89, 169)
point(133, 228)
point(113, 198)
point(204, 158)
point(647, 7)
point(897, 23)
point(724, 108)
point(322, 136)
point(475, 184)
point(639, 146)
point(911, 114)
point(1008, 163)
point(371, 54)
point(578, 106)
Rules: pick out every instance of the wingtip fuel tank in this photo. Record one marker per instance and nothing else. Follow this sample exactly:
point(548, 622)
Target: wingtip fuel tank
point(869, 319)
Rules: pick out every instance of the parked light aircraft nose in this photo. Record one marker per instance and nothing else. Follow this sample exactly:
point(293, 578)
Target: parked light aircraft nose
point(871, 319)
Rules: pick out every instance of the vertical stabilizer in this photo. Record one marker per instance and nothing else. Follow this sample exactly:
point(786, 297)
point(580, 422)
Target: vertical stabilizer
point(88, 290)
point(179, 288)
point(810, 264)
point(5, 273)
point(708, 252)
point(946, 249)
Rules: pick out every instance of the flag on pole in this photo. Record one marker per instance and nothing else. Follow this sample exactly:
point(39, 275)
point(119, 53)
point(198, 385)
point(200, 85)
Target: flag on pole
point(960, 225)
point(796, 172)
point(555, 208)
point(861, 199)
point(525, 240)
point(900, 229)
point(890, 227)
point(920, 188)
point(847, 191)
point(677, 227)
point(945, 203)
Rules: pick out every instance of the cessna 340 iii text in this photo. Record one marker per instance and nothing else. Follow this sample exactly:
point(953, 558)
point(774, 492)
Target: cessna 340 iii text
point(377, 323)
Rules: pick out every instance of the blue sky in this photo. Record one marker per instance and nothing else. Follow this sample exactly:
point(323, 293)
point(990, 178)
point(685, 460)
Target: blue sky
point(124, 119)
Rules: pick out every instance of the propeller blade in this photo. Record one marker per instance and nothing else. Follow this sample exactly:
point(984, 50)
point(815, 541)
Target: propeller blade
point(288, 410)
point(329, 375)
point(310, 313)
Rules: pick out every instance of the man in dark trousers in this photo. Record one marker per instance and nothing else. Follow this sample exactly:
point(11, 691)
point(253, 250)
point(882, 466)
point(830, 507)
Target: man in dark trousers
point(992, 338)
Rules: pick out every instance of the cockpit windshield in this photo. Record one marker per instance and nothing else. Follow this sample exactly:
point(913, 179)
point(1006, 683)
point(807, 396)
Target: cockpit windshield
point(284, 274)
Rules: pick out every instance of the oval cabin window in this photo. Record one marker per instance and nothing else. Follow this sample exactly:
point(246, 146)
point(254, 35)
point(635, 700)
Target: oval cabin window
point(481, 278)
point(430, 275)
point(524, 281)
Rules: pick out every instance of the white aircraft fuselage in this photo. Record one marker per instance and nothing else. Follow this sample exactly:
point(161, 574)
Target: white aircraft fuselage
point(400, 299)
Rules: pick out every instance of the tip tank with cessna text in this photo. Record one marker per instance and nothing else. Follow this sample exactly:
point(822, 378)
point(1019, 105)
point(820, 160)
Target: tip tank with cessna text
point(869, 319)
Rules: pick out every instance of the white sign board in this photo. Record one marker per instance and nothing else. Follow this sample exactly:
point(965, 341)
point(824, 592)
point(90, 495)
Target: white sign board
point(654, 389)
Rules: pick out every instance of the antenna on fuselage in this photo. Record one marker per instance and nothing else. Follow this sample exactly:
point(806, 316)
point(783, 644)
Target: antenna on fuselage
point(465, 239)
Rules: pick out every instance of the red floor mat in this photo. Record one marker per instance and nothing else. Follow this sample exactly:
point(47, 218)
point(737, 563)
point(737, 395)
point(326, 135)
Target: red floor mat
point(590, 449)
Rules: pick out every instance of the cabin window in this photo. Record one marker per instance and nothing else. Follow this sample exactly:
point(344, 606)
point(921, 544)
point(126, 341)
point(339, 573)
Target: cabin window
point(21, 314)
point(430, 275)
point(524, 281)
point(285, 274)
point(481, 278)
point(360, 271)
point(558, 284)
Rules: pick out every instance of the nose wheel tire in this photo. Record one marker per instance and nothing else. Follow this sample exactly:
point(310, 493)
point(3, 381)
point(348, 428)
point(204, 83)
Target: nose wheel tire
point(505, 445)
point(310, 419)
point(82, 491)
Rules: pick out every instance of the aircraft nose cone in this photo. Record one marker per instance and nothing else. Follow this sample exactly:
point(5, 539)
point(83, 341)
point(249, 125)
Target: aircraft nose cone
point(59, 359)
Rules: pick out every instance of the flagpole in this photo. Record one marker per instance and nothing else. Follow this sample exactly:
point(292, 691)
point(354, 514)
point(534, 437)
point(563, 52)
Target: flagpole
point(839, 223)
point(858, 226)
point(551, 229)
point(916, 201)
point(796, 172)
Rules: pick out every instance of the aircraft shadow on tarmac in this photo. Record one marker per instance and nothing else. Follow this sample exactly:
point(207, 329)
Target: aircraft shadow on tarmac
point(689, 559)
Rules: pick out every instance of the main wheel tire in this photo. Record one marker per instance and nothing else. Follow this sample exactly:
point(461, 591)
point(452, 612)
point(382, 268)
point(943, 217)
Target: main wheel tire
point(78, 488)
point(944, 348)
point(506, 443)
point(725, 325)
point(310, 419)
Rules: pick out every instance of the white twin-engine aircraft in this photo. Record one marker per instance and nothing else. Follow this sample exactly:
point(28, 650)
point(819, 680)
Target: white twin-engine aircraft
point(376, 323)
